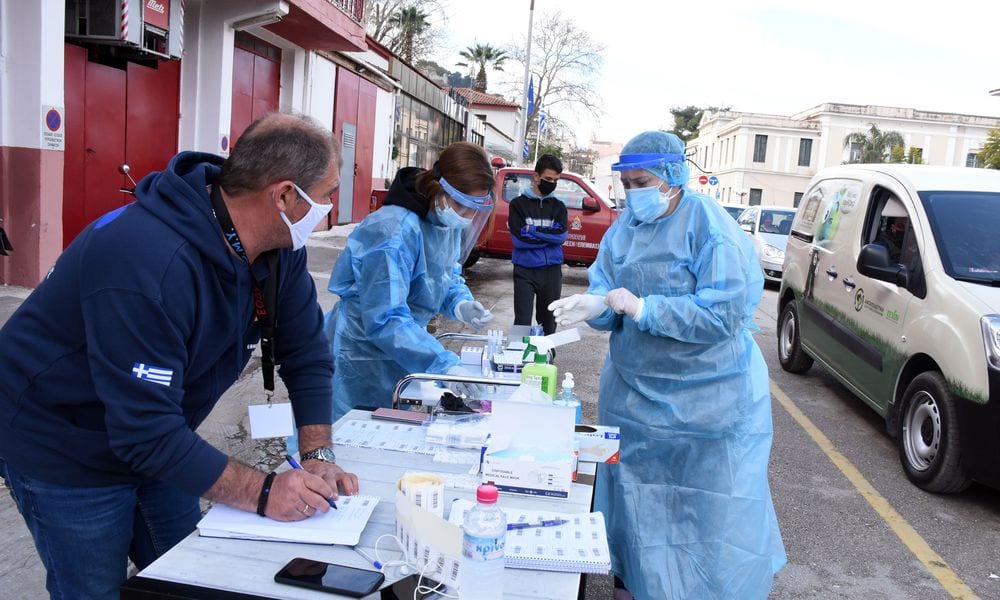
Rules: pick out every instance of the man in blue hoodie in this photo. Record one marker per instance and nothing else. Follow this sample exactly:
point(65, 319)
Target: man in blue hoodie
point(537, 222)
point(149, 315)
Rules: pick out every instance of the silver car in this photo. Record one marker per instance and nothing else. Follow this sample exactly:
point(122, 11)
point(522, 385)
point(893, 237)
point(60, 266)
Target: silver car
point(768, 227)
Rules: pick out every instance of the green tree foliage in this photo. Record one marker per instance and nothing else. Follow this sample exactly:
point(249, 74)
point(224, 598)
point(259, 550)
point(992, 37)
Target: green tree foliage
point(392, 23)
point(989, 156)
point(483, 55)
point(411, 23)
point(688, 118)
point(876, 145)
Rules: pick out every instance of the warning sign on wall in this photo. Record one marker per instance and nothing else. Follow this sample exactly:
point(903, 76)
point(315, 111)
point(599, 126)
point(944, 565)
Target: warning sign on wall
point(53, 129)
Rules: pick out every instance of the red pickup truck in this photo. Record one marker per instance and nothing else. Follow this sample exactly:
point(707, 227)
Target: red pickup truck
point(588, 216)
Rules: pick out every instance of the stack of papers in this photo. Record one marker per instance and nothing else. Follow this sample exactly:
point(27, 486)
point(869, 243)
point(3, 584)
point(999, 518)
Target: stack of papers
point(341, 526)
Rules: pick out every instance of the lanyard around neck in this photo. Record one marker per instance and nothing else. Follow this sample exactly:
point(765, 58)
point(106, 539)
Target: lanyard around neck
point(264, 301)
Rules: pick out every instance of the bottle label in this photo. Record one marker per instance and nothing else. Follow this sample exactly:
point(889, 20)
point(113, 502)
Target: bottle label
point(534, 380)
point(482, 548)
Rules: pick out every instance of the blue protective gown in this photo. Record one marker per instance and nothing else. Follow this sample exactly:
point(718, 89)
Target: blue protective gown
point(689, 509)
point(397, 271)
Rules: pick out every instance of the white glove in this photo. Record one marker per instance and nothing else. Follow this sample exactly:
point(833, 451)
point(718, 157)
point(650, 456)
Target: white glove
point(625, 302)
point(469, 390)
point(473, 313)
point(576, 308)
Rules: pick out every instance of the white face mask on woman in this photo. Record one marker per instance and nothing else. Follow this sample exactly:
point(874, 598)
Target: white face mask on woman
point(648, 203)
point(300, 231)
point(448, 216)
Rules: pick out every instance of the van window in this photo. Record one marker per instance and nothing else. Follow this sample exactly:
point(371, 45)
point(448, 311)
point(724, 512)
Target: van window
point(965, 226)
point(892, 228)
point(819, 214)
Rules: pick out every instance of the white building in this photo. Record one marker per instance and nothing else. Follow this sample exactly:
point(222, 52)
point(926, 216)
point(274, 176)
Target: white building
point(769, 159)
point(501, 118)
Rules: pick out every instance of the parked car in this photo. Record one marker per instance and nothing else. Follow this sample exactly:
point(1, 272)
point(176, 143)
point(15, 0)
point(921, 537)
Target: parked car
point(734, 210)
point(768, 227)
point(589, 215)
point(892, 283)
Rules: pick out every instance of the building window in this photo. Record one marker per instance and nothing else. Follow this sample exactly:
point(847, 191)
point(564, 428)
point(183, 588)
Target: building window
point(805, 152)
point(756, 193)
point(797, 199)
point(855, 155)
point(759, 148)
point(916, 156)
point(972, 160)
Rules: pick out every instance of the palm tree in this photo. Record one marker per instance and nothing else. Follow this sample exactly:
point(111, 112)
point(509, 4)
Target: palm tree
point(875, 144)
point(411, 23)
point(483, 55)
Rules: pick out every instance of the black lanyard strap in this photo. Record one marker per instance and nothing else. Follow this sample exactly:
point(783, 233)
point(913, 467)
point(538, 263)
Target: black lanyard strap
point(265, 302)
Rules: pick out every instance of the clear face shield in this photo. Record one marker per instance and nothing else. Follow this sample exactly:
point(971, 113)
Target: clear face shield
point(475, 209)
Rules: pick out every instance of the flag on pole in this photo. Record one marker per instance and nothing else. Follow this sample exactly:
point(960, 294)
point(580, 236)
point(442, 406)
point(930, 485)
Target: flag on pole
point(542, 115)
point(531, 97)
point(525, 151)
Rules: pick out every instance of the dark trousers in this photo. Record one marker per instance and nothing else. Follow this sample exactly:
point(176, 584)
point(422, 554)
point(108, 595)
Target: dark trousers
point(536, 288)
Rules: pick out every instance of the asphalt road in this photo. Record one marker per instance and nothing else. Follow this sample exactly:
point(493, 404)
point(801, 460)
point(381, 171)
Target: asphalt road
point(852, 524)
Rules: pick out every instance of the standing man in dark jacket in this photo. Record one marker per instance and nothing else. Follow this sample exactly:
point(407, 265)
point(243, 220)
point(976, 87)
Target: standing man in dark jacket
point(143, 322)
point(537, 222)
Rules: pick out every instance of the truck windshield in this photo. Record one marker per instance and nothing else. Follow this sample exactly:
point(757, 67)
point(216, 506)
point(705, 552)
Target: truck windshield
point(965, 227)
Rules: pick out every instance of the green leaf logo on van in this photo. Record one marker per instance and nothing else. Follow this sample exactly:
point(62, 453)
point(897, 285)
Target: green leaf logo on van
point(859, 300)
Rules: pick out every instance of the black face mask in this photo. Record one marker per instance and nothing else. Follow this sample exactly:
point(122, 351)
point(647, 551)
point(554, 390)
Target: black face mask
point(546, 187)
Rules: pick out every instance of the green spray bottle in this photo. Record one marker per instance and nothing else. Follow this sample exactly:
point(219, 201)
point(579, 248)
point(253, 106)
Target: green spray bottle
point(540, 371)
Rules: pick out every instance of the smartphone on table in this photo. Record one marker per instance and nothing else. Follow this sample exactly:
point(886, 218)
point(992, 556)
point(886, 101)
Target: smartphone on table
point(406, 589)
point(328, 577)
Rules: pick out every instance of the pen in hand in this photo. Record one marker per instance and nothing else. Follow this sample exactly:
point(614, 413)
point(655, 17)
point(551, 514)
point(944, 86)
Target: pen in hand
point(295, 465)
point(550, 523)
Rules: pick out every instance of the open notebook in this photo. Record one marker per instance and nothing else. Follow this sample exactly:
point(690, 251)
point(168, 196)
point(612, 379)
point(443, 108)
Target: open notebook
point(579, 546)
point(342, 526)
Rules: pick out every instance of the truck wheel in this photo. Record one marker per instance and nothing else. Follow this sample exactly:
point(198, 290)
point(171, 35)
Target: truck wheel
point(929, 440)
point(790, 354)
point(473, 259)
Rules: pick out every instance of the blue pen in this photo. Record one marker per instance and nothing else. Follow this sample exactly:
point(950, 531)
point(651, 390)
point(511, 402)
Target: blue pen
point(482, 453)
point(550, 523)
point(295, 465)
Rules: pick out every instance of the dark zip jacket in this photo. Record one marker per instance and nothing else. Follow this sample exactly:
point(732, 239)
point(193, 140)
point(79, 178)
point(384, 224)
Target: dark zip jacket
point(537, 230)
point(144, 321)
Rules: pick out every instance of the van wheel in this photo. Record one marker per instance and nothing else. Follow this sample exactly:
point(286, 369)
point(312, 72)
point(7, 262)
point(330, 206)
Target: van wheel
point(473, 259)
point(790, 354)
point(929, 440)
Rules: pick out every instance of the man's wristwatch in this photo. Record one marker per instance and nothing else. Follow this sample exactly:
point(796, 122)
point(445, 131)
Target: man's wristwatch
point(323, 453)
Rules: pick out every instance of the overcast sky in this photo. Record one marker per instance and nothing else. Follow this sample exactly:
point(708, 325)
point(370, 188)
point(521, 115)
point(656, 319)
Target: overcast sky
point(766, 56)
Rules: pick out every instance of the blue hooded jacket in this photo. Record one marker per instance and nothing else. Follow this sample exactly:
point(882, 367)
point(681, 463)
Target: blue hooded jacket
point(141, 325)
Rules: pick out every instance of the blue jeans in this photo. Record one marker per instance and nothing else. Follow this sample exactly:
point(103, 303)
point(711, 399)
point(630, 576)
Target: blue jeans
point(85, 535)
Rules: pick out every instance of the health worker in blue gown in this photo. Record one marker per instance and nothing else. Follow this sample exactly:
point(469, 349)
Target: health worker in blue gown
point(676, 283)
point(401, 267)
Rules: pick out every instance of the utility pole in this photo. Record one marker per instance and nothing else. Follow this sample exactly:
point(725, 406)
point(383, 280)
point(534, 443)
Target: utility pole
point(522, 128)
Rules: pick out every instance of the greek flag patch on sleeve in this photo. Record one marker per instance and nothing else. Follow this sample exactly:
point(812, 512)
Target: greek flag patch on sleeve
point(155, 374)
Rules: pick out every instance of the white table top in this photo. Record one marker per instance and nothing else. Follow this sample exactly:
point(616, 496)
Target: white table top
point(249, 566)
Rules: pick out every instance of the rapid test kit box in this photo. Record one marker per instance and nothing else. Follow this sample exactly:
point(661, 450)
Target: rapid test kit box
point(531, 449)
point(598, 443)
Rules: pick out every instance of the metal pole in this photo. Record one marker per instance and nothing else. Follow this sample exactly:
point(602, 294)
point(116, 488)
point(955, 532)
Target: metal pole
point(522, 128)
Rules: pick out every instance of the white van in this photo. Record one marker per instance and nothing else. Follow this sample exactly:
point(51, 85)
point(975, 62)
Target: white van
point(892, 282)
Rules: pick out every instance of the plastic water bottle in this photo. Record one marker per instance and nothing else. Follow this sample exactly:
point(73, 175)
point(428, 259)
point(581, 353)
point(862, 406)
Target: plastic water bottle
point(485, 533)
point(568, 397)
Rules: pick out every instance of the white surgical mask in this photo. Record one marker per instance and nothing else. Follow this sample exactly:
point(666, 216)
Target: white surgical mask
point(300, 231)
point(648, 203)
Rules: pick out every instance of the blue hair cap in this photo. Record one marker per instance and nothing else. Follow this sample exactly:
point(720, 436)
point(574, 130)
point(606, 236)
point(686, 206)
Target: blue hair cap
point(658, 152)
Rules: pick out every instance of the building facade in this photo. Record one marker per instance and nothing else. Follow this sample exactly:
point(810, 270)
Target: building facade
point(769, 159)
point(87, 86)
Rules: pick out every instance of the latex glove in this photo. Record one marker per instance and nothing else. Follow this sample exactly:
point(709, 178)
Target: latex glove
point(473, 313)
point(469, 390)
point(625, 302)
point(576, 308)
